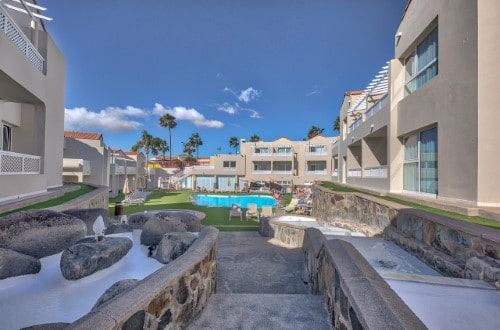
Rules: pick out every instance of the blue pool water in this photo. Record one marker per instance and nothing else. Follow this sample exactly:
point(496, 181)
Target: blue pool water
point(228, 201)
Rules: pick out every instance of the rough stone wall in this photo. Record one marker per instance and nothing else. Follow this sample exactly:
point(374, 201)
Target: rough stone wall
point(97, 198)
point(443, 243)
point(167, 299)
point(286, 233)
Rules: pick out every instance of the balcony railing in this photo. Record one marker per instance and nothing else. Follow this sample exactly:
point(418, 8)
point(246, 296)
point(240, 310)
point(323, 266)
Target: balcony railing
point(120, 169)
point(131, 170)
point(282, 172)
point(315, 153)
point(16, 35)
point(376, 172)
point(335, 173)
point(316, 172)
point(262, 172)
point(354, 172)
point(377, 106)
point(77, 165)
point(12, 163)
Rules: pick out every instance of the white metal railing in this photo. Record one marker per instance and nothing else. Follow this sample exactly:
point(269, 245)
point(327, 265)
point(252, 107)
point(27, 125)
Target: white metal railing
point(315, 153)
point(355, 125)
point(12, 163)
point(335, 173)
point(264, 154)
point(282, 172)
point(16, 35)
point(229, 169)
point(354, 172)
point(316, 172)
point(377, 106)
point(262, 172)
point(131, 170)
point(376, 172)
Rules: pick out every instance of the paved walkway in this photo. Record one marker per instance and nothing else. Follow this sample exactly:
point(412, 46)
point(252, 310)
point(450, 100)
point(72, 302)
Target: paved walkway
point(260, 286)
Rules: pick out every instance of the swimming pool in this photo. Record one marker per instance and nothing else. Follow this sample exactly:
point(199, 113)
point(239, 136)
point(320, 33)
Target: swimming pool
point(228, 201)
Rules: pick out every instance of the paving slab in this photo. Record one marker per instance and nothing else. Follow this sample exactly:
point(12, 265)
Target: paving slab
point(264, 311)
point(248, 263)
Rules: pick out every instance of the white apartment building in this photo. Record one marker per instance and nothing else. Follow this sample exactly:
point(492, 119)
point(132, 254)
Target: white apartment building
point(282, 161)
point(427, 123)
point(86, 158)
point(32, 75)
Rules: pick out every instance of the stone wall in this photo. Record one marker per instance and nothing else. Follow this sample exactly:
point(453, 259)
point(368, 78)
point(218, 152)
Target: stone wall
point(167, 299)
point(445, 244)
point(97, 198)
point(357, 296)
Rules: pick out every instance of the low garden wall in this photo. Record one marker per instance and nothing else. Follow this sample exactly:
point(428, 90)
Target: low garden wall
point(454, 248)
point(357, 296)
point(171, 297)
point(97, 198)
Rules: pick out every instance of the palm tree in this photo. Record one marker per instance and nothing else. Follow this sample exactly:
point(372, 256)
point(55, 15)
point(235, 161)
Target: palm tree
point(145, 143)
point(336, 124)
point(167, 120)
point(233, 142)
point(313, 131)
point(188, 148)
point(254, 138)
point(196, 142)
point(161, 146)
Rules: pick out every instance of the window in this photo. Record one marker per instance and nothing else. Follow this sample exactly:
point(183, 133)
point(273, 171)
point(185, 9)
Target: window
point(320, 149)
point(229, 164)
point(283, 167)
point(422, 65)
point(6, 138)
point(420, 162)
point(284, 150)
point(316, 167)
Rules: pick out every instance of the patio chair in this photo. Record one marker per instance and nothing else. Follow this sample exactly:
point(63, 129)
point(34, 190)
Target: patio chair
point(267, 211)
point(235, 211)
point(133, 198)
point(292, 205)
point(252, 211)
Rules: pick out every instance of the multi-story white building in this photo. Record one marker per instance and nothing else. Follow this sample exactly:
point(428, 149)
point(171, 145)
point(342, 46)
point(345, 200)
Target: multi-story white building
point(32, 75)
point(86, 158)
point(282, 161)
point(127, 172)
point(427, 123)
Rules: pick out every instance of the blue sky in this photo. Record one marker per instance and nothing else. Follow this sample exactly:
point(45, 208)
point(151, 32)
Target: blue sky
point(222, 67)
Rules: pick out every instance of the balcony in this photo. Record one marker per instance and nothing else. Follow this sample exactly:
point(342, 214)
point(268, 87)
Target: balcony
point(316, 172)
point(379, 105)
point(77, 165)
point(262, 172)
point(354, 173)
point(376, 172)
point(12, 163)
point(335, 173)
point(15, 34)
point(131, 170)
point(119, 169)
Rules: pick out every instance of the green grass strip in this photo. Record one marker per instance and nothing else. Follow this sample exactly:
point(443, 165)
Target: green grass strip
point(84, 189)
point(453, 215)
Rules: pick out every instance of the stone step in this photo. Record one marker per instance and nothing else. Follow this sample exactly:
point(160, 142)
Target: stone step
point(264, 311)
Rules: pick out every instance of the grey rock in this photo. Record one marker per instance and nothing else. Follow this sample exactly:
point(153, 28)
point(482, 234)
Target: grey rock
point(89, 216)
point(138, 220)
point(47, 326)
point(173, 245)
point(114, 290)
point(88, 256)
point(192, 221)
point(40, 233)
point(117, 228)
point(13, 263)
point(154, 230)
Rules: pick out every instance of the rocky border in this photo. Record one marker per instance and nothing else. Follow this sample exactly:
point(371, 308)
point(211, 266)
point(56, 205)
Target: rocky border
point(172, 296)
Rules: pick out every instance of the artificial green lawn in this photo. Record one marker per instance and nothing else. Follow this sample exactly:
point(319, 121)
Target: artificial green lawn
point(84, 189)
point(472, 219)
point(215, 216)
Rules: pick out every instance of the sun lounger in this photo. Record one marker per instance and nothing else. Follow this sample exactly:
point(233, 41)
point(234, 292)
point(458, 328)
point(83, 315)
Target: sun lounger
point(235, 211)
point(267, 211)
point(252, 211)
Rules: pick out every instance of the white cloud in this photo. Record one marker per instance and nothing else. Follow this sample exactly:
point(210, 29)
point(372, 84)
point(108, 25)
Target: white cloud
point(111, 119)
point(315, 91)
point(228, 108)
point(249, 94)
point(229, 90)
point(192, 115)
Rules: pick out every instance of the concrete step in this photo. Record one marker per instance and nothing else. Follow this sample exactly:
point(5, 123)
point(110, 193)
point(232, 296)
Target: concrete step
point(248, 263)
point(264, 311)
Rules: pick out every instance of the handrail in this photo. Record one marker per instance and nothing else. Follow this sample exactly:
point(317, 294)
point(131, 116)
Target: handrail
point(15, 34)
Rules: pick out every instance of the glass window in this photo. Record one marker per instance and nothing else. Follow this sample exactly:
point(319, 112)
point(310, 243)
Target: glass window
point(6, 138)
point(261, 150)
point(422, 65)
point(229, 164)
point(420, 164)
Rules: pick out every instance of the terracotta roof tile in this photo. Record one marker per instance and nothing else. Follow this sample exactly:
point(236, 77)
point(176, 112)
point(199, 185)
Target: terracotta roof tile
point(352, 93)
point(82, 135)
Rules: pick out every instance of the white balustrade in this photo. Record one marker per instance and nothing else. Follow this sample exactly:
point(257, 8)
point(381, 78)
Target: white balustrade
point(317, 172)
point(377, 106)
point(335, 173)
point(12, 163)
point(354, 172)
point(376, 172)
point(15, 34)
